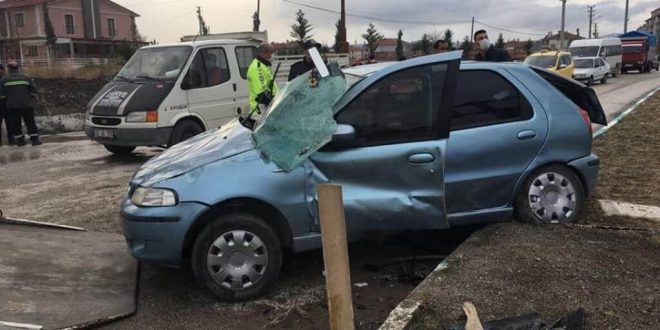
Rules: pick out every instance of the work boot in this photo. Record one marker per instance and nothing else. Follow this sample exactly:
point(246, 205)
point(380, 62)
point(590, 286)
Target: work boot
point(37, 143)
point(20, 142)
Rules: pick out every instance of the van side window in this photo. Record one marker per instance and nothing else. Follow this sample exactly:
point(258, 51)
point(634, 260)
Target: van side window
point(244, 56)
point(493, 100)
point(209, 68)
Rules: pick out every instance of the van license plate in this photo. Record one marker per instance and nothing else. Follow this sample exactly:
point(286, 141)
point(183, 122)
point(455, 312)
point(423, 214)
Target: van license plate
point(104, 133)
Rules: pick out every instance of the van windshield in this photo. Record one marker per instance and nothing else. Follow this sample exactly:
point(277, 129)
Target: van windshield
point(541, 61)
point(163, 63)
point(589, 51)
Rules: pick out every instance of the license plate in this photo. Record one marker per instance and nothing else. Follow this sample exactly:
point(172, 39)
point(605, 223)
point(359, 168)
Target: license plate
point(104, 133)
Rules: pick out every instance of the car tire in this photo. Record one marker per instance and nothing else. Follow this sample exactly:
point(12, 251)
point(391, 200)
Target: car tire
point(616, 71)
point(250, 269)
point(590, 81)
point(624, 71)
point(119, 150)
point(184, 130)
point(563, 198)
point(604, 80)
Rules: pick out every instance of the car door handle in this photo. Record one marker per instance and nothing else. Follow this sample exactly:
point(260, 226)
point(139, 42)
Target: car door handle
point(234, 87)
point(526, 134)
point(422, 158)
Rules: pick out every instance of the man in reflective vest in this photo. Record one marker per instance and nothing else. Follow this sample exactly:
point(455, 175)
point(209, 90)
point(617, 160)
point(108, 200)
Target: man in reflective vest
point(261, 82)
point(17, 90)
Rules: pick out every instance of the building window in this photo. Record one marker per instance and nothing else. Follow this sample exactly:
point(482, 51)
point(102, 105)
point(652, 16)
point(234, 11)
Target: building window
point(111, 27)
point(68, 24)
point(20, 20)
point(32, 51)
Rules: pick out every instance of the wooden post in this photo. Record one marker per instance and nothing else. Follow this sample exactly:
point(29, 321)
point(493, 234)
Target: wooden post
point(335, 257)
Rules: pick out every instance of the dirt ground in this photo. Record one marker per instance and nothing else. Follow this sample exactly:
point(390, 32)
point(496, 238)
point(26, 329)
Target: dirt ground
point(65, 96)
point(630, 157)
point(508, 270)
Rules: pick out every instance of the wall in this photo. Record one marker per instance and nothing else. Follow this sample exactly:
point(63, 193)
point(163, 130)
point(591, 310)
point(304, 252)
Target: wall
point(123, 21)
point(32, 18)
point(56, 12)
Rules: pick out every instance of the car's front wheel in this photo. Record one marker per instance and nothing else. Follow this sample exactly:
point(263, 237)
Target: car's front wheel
point(551, 195)
point(604, 80)
point(237, 257)
point(119, 150)
point(590, 81)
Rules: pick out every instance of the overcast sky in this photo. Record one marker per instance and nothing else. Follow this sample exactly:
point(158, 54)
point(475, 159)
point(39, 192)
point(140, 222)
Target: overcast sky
point(167, 20)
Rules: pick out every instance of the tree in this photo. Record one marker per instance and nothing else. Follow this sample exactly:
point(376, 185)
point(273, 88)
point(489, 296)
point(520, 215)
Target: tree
point(399, 46)
point(448, 36)
point(336, 45)
point(301, 29)
point(528, 46)
point(424, 45)
point(500, 41)
point(51, 38)
point(466, 46)
point(373, 38)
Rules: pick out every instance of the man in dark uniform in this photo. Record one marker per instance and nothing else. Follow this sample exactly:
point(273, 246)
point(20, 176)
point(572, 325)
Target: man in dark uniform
point(3, 114)
point(487, 51)
point(306, 64)
point(17, 90)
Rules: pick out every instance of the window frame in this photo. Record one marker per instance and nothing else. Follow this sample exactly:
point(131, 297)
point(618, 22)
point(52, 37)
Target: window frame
point(73, 24)
point(527, 111)
point(21, 21)
point(440, 131)
point(201, 52)
point(32, 51)
point(112, 32)
point(240, 70)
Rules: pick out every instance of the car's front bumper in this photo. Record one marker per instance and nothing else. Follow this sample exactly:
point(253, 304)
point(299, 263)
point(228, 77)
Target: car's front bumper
point(587, 167)
point(157, 234)
point(132, 137)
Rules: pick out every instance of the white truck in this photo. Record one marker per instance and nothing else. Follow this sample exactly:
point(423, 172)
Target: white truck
point(168, 93)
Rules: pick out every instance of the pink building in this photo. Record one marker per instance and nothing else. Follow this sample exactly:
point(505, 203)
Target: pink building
point(87, 31)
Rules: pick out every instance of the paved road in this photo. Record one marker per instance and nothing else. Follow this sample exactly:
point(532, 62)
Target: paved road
point(618, 93)
point(73, 181)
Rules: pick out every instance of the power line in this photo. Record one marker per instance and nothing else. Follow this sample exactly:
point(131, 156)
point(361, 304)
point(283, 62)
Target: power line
point(499, 28)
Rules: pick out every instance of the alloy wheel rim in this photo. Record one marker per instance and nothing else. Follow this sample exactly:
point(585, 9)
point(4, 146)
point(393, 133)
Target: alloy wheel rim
point(237, 259)
point(552, 198)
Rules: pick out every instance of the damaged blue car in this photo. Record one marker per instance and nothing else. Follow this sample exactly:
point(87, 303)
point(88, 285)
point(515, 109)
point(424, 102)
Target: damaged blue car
point(427, 143)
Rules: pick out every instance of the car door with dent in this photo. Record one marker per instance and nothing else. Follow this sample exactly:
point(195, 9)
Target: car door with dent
point(392, 173)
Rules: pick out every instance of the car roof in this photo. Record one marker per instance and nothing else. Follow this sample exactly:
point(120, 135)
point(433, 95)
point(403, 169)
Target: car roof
point(547, 52)
point(201, 43)
point(369, 69)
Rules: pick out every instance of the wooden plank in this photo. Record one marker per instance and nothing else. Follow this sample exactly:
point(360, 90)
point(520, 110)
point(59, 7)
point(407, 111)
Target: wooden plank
point(335, 257)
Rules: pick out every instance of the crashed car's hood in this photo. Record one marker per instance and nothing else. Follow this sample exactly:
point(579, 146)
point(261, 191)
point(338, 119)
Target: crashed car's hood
point(228, 141)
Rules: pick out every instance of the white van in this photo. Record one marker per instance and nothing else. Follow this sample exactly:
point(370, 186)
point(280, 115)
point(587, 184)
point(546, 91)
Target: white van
point(607, 48)
point(168, 93)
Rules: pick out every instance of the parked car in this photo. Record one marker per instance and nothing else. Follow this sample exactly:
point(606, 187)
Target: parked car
point(168, 93)
point(553, 60)
point(417, 145)
point(590, 69)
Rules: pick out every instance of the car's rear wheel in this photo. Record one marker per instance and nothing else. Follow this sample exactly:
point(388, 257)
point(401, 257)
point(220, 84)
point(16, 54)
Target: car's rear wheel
point(184, 130)
point(604, 80)
point(237, 257)
point(119, 150)
point(551, 195)
point(590, 81)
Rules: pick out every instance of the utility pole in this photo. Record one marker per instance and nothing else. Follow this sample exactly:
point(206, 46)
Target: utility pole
point(625, 22)
point(596, 30)
point(472, 29)
point(343, 44)
point(591, 15)
point(563, 21)
point(200, 20)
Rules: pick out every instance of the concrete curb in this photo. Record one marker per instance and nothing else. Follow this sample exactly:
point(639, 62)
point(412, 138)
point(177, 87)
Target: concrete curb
point(403, 313)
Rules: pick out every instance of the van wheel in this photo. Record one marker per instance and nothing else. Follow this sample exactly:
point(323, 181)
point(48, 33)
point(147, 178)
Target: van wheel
point(184, 130)
point(119, 150)
point(551, 195)
point(238, 257)
point(616, 71)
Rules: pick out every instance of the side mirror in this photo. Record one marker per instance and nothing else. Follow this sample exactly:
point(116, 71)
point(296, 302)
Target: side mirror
point(345, 134)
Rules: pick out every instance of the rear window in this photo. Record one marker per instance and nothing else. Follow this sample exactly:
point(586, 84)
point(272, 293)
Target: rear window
point(583, 63)
point(485, 98)
point(541, 61)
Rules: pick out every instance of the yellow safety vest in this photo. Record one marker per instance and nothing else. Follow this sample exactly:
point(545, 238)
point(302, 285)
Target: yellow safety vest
point(259, 76)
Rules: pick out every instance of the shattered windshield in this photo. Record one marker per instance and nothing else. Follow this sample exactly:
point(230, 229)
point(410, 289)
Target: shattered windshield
point(300, 119)
point(157, 63)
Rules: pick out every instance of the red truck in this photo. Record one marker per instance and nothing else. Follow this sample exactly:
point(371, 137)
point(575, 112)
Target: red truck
point(639, 52)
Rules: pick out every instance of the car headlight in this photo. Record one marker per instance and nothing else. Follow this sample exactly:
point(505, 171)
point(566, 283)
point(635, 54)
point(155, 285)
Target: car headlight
point(153, 197)
point(142, 117)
